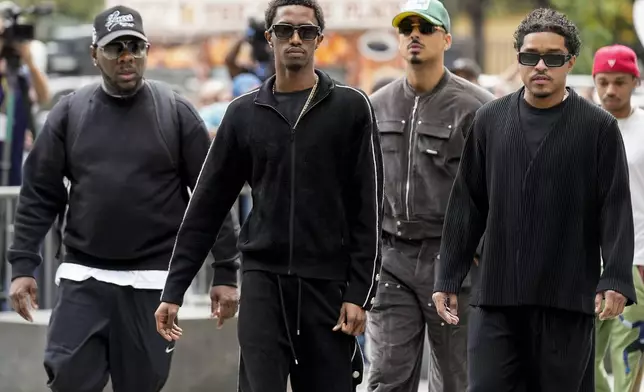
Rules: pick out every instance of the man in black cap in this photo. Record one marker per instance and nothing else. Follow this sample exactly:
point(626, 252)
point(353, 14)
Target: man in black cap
point(466, 68)
point(130, 149)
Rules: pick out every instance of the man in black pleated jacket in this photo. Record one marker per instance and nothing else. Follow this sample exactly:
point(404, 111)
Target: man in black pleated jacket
point(544, 175)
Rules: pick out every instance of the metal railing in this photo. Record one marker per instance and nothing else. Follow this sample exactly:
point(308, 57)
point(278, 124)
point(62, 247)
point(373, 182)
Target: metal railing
point(45, 275)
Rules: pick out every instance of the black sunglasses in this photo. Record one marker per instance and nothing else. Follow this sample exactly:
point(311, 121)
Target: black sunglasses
point(554, 60)
point(406, 27)
point(286, 31)
point(115, 49)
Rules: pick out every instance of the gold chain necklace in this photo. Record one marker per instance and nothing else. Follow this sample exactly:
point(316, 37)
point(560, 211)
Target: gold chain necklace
point(308, 100)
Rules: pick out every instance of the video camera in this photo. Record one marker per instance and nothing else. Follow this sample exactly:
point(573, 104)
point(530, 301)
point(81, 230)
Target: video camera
point(15, 31)
point(257, 41)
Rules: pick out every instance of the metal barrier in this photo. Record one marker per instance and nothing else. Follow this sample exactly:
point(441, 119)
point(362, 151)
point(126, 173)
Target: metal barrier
point(45, 275)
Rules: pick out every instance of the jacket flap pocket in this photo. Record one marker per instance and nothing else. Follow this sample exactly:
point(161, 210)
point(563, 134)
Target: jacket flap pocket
point(391, 126)
point(437, 131)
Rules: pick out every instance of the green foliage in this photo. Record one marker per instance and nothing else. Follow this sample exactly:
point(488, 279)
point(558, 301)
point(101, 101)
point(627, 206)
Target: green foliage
point(505, 7)
point(82, 10)
point(600, 23)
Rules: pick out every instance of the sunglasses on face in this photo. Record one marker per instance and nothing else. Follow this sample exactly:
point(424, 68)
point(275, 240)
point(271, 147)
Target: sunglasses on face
point(406, 27)
point(286, 31)
point(114, 50)
point(554, 60)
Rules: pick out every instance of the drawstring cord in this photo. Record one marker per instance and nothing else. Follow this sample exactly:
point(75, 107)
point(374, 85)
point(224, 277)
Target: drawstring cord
point(299, 303)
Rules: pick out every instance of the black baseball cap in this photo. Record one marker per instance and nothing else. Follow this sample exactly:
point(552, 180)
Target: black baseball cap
point(117, 22)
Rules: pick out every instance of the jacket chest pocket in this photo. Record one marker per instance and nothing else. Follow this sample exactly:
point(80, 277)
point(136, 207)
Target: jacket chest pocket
point(433, 139)
point(391, 135)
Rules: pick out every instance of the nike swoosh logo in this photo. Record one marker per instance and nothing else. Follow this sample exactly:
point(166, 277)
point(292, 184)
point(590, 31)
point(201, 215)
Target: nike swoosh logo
point(169, 349)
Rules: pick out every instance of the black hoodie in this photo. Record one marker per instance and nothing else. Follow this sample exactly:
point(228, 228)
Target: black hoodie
point(126, 199)
point(317, 192)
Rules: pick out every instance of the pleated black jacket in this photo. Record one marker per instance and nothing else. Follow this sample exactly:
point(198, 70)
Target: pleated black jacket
point(549, 220)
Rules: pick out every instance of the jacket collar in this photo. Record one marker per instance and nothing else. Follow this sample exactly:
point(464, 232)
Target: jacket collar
point(265, 94)
point(517, 95)
point(410, 93)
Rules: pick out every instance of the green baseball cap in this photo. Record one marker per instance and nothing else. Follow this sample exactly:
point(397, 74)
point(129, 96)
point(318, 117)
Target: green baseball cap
point(432, 11)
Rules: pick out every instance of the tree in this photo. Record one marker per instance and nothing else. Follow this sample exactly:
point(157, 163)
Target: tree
point(475, 9)
point(83, 10)
point(600, 23)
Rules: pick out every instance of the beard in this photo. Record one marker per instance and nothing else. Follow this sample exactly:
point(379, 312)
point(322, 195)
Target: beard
point(542, 94)
point(414, 60)
point(294, 67)
point(114, 88)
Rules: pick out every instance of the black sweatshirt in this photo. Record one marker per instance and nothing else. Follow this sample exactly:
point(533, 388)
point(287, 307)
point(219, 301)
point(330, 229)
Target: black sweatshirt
point(546, 219)
point(126, 200)
point(317, 192)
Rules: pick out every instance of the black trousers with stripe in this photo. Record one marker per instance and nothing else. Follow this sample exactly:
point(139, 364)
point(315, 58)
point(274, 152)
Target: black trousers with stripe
point(530, 349)
point(272, 310)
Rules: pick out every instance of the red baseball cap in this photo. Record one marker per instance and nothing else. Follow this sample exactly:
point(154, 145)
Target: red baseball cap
point(616, 58)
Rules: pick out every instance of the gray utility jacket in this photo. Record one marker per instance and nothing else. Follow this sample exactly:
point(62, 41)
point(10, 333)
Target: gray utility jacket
point(422, 137)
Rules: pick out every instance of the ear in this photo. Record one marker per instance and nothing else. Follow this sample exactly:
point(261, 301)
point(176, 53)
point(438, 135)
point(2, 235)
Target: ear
point(269, 38)
point(319, 41)
point(92, 53)
point(448, 41)
point(571, 63)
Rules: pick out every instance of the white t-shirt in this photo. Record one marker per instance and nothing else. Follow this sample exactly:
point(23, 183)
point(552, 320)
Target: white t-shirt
point(632, 129)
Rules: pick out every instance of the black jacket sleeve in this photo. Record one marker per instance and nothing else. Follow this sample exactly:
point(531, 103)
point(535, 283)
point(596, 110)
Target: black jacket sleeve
point(616, 216)
point(466, 215)
point(194, 146)
point(365, 212)
point(221, 179)
point(43, 195)
point(467, 127)
point(225, 253)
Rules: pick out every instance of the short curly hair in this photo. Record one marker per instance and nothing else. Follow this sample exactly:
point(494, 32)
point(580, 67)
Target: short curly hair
point(271, 11)
point(548, 20)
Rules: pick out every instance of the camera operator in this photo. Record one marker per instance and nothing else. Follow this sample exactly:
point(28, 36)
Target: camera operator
point(27, 84)
point(262, 64)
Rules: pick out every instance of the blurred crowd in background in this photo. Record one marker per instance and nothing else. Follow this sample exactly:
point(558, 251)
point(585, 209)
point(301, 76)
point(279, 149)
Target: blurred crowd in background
point(214, 50)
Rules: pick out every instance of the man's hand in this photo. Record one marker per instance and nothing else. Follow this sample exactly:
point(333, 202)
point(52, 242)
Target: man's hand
point(447, 307)
point(24, 296)
point(352, 319)
point(24, 49)
point(166, 316)
point(614, 303)
point(224, 303)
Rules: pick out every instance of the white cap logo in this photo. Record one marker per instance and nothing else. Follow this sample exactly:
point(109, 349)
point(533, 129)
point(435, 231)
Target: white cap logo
point(115, 18)
point(611, 63)
point(416, 4)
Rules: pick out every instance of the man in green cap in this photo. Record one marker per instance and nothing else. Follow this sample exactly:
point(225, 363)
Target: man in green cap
point(423, 120)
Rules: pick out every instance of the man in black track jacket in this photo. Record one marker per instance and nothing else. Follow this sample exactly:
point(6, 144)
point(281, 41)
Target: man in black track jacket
point(309, 149)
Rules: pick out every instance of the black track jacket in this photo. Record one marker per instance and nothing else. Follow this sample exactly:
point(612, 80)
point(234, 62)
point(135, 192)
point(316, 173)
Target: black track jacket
point(317, 191)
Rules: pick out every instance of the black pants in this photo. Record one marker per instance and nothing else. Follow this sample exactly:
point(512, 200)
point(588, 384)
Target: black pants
point(270, 313)
point(99, 330)
point(530, 349)
point(402, 313)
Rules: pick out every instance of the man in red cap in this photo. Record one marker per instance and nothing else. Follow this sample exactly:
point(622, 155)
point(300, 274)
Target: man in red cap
point(616, 76)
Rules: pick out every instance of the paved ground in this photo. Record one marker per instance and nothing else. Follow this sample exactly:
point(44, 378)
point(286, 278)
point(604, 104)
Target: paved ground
point(424, 386)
